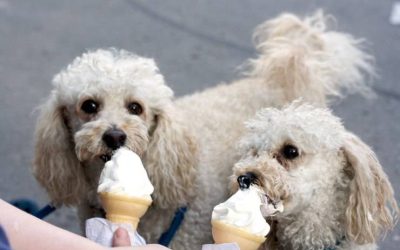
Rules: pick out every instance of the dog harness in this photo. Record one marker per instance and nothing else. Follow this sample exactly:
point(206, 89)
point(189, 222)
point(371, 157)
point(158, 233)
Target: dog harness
point(167, 236)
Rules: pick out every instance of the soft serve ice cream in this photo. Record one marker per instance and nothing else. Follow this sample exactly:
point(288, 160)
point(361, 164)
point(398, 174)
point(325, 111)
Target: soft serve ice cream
point(125, 188)
point(124, 174)
point(239, 220)
point(242, 210)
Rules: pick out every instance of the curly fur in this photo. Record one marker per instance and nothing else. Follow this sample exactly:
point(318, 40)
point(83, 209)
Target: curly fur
point(305, 55)
point(187, 145)
point(334, 191)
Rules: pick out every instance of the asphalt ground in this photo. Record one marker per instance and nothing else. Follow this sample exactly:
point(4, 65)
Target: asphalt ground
point(196, 44)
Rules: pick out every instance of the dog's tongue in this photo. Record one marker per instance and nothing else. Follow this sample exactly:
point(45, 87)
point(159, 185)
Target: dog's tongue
point(268, 208)
point(105, 157)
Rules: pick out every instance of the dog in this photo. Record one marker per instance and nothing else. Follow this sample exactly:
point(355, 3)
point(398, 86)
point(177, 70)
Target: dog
point(106, 99)
point(334, 191)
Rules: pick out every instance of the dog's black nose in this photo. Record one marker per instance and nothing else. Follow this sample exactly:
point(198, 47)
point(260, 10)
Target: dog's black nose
point(114, 138)
point(246, 180)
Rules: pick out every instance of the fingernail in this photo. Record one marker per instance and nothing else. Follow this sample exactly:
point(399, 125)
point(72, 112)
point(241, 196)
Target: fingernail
point(119, 233)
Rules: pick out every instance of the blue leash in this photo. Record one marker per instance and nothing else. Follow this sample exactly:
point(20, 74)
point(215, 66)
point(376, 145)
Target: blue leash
point(31, 208)
point(168, 235)
point(48, 209)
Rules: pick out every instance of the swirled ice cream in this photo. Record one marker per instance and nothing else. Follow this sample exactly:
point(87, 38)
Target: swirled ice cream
point(125, 175)
point(242, 210)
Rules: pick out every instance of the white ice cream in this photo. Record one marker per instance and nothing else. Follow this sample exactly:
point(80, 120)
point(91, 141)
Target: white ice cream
point(124, 174)
point(243, 210)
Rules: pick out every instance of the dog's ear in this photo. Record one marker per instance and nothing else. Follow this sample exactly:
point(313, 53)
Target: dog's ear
point(171, 160)
point(56, 166)
point(371, 208)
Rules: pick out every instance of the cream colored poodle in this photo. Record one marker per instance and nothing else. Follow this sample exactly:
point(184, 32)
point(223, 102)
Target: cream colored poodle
point(334, 191)
point(109, 98)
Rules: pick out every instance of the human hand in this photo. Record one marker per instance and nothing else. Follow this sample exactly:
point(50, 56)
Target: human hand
point(122, 241)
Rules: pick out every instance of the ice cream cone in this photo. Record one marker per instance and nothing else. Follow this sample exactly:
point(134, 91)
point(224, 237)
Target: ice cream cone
point(124, 209)
point(225, 233)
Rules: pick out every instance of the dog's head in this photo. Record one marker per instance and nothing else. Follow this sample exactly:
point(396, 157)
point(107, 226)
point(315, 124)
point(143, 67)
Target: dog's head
point(104, 100)
point(109, 99)
point(304, 157)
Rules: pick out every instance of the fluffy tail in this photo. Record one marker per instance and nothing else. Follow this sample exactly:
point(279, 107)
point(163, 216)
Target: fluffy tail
point(306, 61)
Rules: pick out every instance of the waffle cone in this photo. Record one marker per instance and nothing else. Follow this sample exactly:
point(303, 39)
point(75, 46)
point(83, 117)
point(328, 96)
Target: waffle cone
point(225, 233)
point(124, 209)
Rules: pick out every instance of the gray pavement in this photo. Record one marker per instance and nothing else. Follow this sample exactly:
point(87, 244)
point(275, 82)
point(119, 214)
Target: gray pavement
point(196, 44)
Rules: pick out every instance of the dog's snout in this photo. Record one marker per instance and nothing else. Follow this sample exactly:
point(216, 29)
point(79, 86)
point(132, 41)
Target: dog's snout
point(246, 180)
point(114, 138)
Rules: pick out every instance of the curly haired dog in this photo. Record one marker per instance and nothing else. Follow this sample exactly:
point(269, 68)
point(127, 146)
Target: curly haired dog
point(334, 191)
point(108, 98)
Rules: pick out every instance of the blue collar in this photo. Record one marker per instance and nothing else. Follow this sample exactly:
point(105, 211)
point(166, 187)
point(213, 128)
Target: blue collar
point(167, 236)
point(48, 209)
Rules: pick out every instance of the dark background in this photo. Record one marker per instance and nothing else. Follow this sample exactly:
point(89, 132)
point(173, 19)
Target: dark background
point(196, 44)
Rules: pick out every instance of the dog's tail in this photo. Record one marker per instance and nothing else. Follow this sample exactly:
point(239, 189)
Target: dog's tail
point(304, 60)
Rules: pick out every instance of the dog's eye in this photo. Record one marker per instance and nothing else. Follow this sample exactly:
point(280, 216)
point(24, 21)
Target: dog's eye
point(135, 108)
point(290, 152)
point(90, 106)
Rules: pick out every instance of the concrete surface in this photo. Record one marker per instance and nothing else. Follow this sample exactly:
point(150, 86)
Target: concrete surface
point(196, 44)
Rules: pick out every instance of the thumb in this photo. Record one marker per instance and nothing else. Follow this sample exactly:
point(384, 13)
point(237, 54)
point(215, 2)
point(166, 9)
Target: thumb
point(121, 238)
